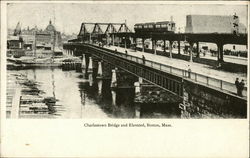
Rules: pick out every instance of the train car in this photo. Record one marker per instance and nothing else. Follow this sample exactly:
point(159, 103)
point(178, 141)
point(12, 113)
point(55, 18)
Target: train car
point(164, 26)
point(159, 27)
point(138, 27)
point(149, 27)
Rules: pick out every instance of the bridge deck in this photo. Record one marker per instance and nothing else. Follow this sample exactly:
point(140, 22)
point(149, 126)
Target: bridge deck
point(202, 70)
point(227, 58)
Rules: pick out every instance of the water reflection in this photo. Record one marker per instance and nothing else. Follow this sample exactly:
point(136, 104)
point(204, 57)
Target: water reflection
point(100, 87)
point(113, 98)
point(77, 97)
point(90, 79)
point(137, 111)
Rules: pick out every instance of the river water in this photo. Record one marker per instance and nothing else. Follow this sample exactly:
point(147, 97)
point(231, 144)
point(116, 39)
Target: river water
point(77, 97)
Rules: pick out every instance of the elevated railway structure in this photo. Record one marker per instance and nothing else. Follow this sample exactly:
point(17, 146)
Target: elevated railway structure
point(220, 30)
point(96, 33)
point(219, 39)
point(119, 33)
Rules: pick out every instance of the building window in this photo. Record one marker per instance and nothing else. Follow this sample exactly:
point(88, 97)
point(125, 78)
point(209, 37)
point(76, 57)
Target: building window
point(163, 25)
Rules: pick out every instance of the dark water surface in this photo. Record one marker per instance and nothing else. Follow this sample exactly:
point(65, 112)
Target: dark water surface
point(78, 97)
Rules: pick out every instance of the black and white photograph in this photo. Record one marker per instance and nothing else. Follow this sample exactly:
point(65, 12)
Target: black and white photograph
point(117, 60)
point(98, 61)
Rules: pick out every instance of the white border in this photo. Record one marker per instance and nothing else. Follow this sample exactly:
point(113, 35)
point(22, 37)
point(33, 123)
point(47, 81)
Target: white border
point(68, 137)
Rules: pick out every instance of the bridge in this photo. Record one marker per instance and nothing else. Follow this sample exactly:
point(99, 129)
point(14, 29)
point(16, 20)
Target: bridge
point(177, 81)
point(125, 34)
point(167, 77)
point(97, 33)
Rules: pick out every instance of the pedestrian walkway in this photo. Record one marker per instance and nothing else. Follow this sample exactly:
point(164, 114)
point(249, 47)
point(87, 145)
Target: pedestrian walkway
point(181, 64)
point(227, 58)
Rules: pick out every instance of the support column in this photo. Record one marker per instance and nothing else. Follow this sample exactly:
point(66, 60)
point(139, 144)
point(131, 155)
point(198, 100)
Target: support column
point(107, 70)
point(143, 45)
point(155, 46)
point(83, 61)
point(113, 79)
point(218, 54)
point(137, 87)
point(125, 43)
point(118, 42)
point(220, 51)
point(170, 48)
point(113, 39)
point(197, 50)
point(135, 42)
point(90, 68)
point(99, 71)
point(90, 38)
point(131, 40)
point(179, 47)
point(140, 80)
point(191, 50)
point(107, 40)
point(164, 46)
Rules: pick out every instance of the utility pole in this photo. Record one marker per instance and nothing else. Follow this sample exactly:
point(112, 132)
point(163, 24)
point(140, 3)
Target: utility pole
point(235, 24)
point(35, 46)
point(54, 37)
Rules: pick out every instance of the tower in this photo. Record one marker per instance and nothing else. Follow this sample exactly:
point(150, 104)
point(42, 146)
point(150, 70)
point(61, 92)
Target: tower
point(17, 30)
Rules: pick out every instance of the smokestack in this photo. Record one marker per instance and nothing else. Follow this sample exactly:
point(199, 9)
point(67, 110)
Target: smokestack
point(171, 18)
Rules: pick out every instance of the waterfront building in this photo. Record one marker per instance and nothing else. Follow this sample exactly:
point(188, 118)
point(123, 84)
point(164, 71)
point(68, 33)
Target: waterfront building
point(217, 24)
point(41, 41)
point(214, 24)
point(15, 46)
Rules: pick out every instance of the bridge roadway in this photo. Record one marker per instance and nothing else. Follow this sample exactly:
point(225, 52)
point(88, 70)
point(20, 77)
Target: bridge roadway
point(227, 58)
point(200, 74)
point(195, 67)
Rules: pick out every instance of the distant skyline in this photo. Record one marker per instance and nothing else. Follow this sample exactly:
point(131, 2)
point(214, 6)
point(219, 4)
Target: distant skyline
point(67, 17)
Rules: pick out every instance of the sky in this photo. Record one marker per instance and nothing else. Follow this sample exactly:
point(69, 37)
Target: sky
point(67, 17)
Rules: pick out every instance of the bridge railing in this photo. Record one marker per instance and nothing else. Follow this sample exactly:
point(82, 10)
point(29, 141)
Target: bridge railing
point(195, 77)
